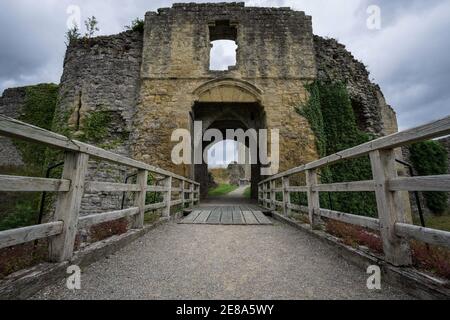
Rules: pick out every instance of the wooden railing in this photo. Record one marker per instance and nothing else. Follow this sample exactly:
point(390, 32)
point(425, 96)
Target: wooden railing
point(392, 219)
point(72, 186)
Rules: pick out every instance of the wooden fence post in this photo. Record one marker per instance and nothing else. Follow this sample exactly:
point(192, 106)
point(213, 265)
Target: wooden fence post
point(286, 197)
point(390, 209)
point(273, 195)
point(183, 196)
point(260, 192)
point(168, 196)
point(68, 204)
point(139, 199)
point(313, 196)
point(191, 196)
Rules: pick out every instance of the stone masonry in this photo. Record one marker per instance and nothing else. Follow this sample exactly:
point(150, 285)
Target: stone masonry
point(11, 103)
point(153, 83)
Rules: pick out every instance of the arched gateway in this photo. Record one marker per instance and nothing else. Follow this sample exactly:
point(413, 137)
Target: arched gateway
point(274, 61)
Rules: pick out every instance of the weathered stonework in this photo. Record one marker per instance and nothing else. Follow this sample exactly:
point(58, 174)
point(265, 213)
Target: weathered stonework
point(275, 59)
point(101, 77)
point(335, 63)
point(149, 84)
point(11, 104)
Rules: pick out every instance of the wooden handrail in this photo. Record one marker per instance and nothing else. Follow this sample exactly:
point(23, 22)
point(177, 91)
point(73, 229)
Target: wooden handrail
point(386, 185)
point(429, 131)
point(72, 187)
point(16, 129)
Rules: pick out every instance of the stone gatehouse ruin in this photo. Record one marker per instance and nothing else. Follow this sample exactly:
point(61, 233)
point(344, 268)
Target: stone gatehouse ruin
point(141, 87)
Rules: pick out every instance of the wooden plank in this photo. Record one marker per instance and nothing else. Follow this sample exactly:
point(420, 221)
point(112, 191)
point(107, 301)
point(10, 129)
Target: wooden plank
point(68, 206)
point(429, 183)
point(262, 219)
point(227, 216)
point(288, 173)
point(27, 184)
point(191, 218)
point(237, 216)
point(426, 132)
point(94, 219)
point(174, 203)
point(192, 196)
point(168, 197)
point(357, 186)
point(298, 189)
point(430, 236)
point(286, 196)
point(14, 237)
point(249, 217)
point(139, 200)
point(96, 187)
point(157, 189)
point(155, 206)
point(23, 131)
point(298, 208)
point(16, 129)
point(273, 195)
point(366, 222)
point(183, 194)
point(203, 217)
point(215, 216)
point(313, 196)
point(390, 209)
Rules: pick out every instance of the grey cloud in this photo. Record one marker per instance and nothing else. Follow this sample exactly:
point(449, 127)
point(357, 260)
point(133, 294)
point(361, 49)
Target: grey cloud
point(410, 62)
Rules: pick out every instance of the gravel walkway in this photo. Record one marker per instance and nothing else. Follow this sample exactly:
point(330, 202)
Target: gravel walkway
point(224, 262)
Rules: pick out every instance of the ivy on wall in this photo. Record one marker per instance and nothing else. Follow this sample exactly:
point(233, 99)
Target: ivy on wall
point(330, 114)
point(38, 110)
point(431, 158)
point(19, 210)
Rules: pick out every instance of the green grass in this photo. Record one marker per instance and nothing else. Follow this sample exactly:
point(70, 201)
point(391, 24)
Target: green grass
point(435, 222)
point(221, 190)
point(248, 193)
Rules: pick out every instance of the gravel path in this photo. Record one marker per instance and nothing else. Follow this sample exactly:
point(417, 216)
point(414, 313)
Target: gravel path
point(224, 262)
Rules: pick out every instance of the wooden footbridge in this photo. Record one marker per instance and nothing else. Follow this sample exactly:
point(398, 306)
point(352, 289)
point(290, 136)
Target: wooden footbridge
point(393, 224)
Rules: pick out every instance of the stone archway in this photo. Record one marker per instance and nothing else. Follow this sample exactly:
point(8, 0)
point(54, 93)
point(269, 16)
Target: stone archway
point(228, 104)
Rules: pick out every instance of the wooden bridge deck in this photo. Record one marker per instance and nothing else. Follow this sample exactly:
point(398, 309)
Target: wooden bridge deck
point(227, 215)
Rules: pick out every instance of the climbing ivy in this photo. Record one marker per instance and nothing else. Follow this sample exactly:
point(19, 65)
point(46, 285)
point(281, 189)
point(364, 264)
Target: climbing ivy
point(332, 119)
point(38, 110)
point(431, 158)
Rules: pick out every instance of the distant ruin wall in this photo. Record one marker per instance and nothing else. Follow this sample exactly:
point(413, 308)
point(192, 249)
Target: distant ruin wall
point(98, 94)
point(11, 104)
point(336, 63)
point(101, 75)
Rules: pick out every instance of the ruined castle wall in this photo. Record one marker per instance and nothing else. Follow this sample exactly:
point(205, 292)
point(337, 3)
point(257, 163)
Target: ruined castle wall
point(100, 81)
point(275, 54)
point(102, 75)
point(11, 104)
point(336, 63)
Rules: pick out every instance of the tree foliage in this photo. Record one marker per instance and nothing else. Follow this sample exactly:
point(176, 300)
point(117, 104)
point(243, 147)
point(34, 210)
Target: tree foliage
point(431, 158)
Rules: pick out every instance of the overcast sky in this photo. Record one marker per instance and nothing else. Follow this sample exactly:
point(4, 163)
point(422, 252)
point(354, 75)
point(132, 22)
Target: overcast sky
point(408, 56)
